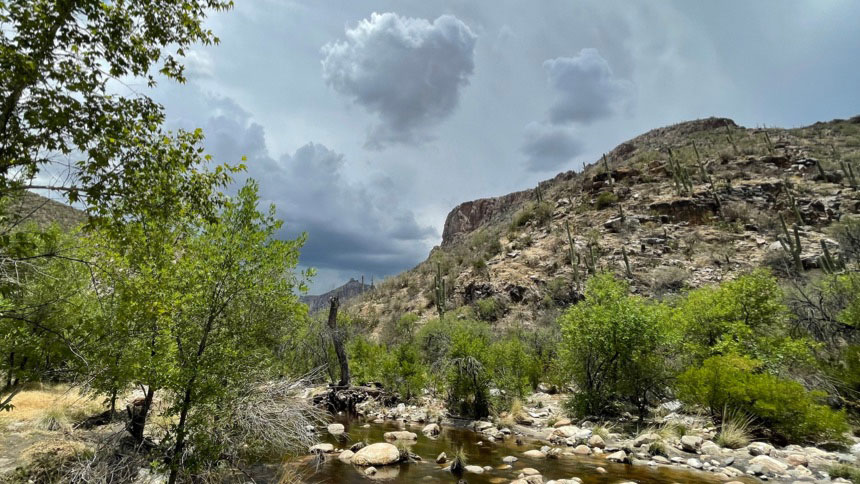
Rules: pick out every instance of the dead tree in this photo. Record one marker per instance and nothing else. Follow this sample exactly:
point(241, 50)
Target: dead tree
point(337, 340)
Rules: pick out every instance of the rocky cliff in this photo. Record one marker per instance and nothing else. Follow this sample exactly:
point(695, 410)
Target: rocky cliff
point(345, 292)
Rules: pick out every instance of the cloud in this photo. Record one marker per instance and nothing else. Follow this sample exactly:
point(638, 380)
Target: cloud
point(354, 227)
point(549, 147)
point(407, 71)
point(586, 89)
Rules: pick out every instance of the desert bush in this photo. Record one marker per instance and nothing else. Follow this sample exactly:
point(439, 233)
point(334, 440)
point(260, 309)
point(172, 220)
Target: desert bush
point(784, 407)
point(614, 347)
point(489, 309)
point(604, 200)
point(668, 278)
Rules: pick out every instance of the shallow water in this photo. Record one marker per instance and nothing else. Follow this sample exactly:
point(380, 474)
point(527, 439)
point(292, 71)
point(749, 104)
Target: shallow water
point(486, 454)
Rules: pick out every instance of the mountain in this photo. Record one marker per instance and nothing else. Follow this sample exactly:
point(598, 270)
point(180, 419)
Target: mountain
point(678, 207)
point(31, 207)
point(348, 291)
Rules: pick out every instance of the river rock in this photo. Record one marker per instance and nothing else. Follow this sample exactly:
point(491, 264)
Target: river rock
point(335, 429)
point(441, 458)
point(694, 463)
point(400, 435)
point(534, 454)
point(582, 450)
point(645, 439)
point(324, 448)
point(379, 454)
point(769, 464)
point(691, 443)
point(481, 425)
point(561, 422)
point(509, 459)
point(619, 456)
point(797, 460)
point(711, 448)
point(346, 456)
point(596, 441)
point(530, 471)
point(431, 430)
point(370, 471)
point(565, 431)
point(474, 469)
point(759, 448)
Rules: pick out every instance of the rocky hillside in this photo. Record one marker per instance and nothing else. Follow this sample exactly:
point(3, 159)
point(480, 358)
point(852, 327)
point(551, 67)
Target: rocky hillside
point(348, 291)
point(681, 206)
point(31, 207)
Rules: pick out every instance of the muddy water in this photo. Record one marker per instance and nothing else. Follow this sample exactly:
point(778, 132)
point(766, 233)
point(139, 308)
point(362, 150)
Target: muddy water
point(486, 454)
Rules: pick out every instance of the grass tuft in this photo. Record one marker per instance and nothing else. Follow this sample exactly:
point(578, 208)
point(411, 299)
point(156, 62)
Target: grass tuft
point(845, 471)
point(736, 430)
point(459, 462)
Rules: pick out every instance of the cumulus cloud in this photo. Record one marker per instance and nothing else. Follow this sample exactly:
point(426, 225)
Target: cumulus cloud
point(549, 147)
point(354, 227)
point(407, 71)
point(586, 89)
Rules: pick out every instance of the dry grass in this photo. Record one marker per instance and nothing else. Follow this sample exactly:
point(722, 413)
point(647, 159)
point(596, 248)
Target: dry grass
point(736, 430)
point(51, 407)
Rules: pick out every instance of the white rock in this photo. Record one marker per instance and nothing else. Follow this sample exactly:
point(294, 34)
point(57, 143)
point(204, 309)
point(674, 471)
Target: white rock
point(474, 469)
point(379, 454)
point(324, 448)
point(335, 429)
point(769, 464)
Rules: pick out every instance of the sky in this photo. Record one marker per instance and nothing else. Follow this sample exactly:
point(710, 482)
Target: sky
point(366, 122)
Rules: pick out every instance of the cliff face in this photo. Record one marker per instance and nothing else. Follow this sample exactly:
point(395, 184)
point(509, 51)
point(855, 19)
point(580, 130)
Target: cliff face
point(469, 216)
point(677, 207)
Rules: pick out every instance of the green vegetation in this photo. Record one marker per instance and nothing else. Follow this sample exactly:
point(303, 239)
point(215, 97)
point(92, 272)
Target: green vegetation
point(604, 200)
point(783, 407)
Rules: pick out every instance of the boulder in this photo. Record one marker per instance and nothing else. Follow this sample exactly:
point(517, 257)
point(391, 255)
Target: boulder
point(530, 471)
point(561, 422)
point(370, 471)
point(645, 439)
point(711, 448)
point(582, 450)
point(474, 469)
point(769, 464)
point(694, 463)
point(596, 441)
point(759, 448)
point(379, 454)
point(534, 454)
point(335, 429)
point(346, 456)
point(400, 435)
point(565, 431)
point(431, 430)
point(797, 460)
point(324, 448)
point(619, 456)
point(441, 458)
point(509, 459)
point(691, 443)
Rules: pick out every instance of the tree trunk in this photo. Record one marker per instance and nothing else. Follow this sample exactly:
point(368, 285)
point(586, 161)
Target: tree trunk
point(137, 415)
point(337, 339)
point(180, 435)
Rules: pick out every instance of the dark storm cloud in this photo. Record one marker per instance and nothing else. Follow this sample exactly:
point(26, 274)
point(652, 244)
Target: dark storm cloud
point(408, 71)
point(353, 227)
point(549, 147)
point(586, 89)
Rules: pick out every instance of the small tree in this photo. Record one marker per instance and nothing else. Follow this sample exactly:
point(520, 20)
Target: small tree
point(613, 345)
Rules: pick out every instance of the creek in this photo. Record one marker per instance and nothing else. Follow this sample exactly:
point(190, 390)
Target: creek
point(481, 454)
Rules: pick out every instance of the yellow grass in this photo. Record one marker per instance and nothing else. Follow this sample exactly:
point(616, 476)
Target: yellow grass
point(50, 401)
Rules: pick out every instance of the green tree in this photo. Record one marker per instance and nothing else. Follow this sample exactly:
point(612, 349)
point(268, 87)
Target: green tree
point(614, 346)
point(746, 316)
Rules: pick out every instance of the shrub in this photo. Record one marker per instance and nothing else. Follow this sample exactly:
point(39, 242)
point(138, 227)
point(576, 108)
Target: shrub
point(668, 278)
point(511, 366)
point(614, 346)
point(539, 212)
point(605, 199)
point(845, 471)
point(490, 309)
point(783, 406)
point(847, 234)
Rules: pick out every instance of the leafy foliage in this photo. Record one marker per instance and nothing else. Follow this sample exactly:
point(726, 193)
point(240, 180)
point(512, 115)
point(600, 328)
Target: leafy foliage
point(784, 407)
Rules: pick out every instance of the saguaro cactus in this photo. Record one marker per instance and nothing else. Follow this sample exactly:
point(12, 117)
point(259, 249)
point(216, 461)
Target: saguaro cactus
point(849, 174)
point(608, 171)
point(440, 290)
point(571, 250)
point(626, 262)
point(791, 246)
